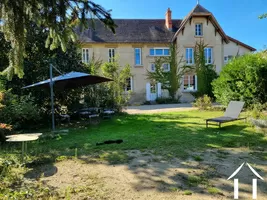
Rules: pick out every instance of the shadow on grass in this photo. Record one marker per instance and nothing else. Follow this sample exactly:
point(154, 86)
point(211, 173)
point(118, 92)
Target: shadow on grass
point(38, 172)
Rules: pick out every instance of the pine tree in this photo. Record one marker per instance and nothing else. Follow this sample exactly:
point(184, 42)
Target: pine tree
point(59, 17)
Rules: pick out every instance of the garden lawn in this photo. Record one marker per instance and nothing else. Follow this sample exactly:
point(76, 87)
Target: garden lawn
point(163, 156)
point(172, 134)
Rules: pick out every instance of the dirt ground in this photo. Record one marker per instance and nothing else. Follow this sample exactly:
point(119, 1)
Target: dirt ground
point(149, 177)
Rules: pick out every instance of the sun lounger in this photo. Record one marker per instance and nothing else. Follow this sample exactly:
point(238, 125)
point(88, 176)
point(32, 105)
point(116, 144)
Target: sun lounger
point(231, 114)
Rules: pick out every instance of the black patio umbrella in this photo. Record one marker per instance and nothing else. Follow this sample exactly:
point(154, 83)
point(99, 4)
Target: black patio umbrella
point(67, 81)
point(71, 80)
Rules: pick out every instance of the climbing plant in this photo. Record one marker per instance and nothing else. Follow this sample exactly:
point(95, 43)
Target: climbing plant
point(171, 78)
point(205, 72)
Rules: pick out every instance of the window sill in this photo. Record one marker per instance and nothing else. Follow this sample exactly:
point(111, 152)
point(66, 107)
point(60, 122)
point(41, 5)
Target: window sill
point(198, 36)
point(138, 66)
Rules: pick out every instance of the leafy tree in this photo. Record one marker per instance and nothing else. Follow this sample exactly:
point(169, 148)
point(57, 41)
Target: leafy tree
point(36, 64)
point(263, 16)
point(205, 72)
point(58, 17)
point(18, 111)
point(171, 79)
point(116, 89)
point(243, 78)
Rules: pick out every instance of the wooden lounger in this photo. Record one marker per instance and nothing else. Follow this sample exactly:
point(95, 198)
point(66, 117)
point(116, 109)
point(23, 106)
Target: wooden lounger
point(231, 114)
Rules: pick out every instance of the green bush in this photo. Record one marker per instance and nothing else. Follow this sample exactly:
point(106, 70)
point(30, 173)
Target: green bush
point(244, 78)
point(21, 112)
point(256, 110)
point(116, 97)
point(203, 103)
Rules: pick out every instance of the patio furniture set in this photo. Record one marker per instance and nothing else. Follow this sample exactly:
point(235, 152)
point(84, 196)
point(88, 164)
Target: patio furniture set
point(93, 114)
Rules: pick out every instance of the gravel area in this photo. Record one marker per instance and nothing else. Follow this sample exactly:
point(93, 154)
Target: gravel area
point(148, 109)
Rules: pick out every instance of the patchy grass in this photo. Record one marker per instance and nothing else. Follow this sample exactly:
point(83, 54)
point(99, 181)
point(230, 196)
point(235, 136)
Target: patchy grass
point(197, 158)
point(260, 155)
point(115, 157)
point(174, 189)
point(188, 192)
point(194, 180)
point(214, 191)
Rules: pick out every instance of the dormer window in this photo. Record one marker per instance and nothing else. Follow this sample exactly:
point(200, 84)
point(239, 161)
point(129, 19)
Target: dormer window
point(85, 55)
point(198, 30)
point(111, 55)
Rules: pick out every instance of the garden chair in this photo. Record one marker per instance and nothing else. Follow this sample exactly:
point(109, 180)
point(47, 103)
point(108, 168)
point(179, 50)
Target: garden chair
point(231, 114)
point(64, 117)
point(108, 113)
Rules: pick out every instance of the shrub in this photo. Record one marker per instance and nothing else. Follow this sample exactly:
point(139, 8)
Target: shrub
point(5, 130)
point(18, 111)
point(244, 78)
point(203, 103)
point(256, 110)
point(116, 97)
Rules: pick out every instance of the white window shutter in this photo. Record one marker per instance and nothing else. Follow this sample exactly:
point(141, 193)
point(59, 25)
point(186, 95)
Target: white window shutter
point(148, 91)
point(159, 90)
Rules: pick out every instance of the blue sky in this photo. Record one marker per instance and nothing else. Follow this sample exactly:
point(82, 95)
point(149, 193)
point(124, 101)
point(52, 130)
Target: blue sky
point(238, 18)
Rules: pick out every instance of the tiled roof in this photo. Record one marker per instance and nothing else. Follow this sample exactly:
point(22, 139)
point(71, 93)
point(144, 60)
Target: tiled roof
point(148, 30)
point(241, 44)
point(132, 31)
point(200, 9)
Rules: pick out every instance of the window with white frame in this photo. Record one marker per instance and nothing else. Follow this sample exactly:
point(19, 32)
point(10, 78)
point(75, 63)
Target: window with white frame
point(85, 55)
point(129, 84)
point(190, 83)
point(166, 67)
point(227, 58)
point(111, 55)
point(159, 52)
point(152, 67)
point(138, 56)
point(208, 55)
point(198, 30)
point(189, 56)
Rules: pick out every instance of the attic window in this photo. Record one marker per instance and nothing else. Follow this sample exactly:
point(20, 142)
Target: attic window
point(111, 55)
point(85, 55)
point(198, 30)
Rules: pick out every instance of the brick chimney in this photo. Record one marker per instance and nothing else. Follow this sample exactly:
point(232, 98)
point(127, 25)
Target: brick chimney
point(168, 19)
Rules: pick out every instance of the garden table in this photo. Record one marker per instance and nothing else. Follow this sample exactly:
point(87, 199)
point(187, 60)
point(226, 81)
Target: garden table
point(24, 138)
